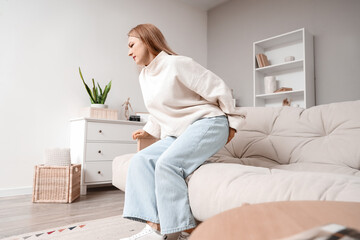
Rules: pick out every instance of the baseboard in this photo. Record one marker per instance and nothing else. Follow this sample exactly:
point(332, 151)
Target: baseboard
point(8, 192)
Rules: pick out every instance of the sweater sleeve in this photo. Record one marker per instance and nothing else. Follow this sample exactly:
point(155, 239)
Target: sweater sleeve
point(213, 89)
point(152, 127)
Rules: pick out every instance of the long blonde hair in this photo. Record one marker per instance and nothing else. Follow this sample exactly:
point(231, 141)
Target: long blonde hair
point(152, 37)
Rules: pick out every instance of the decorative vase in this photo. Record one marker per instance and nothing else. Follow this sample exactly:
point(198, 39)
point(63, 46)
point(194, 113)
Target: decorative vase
point(269, 84)
point(99, 105)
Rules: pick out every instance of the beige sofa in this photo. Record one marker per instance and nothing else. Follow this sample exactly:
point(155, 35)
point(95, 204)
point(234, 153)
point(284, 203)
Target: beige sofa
point(280, 154)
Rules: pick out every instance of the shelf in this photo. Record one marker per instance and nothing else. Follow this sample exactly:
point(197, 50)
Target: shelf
point(281, 67)
point(297, 75)
point(279, 40)
point(279, 94)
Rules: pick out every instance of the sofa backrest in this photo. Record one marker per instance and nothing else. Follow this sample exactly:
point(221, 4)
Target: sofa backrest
point(322, 134)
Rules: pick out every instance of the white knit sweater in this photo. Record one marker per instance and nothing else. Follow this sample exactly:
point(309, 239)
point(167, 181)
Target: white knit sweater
point(178, 91)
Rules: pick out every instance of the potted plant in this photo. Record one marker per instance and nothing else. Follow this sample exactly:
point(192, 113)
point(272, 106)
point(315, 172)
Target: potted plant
point(97, 95)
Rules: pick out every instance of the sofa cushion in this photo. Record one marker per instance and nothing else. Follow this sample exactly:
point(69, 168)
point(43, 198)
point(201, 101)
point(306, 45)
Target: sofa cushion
point(318, 167)
point(325, 134)
point(214, 188)
point(120, 166)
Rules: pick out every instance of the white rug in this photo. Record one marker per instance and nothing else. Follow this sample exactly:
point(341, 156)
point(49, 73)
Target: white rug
point(111, 228)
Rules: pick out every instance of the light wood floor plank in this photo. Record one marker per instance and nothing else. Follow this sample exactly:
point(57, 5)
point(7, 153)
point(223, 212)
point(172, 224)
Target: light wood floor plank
point(19, 215)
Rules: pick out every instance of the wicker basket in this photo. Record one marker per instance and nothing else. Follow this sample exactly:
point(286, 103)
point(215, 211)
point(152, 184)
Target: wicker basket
point(59, 184)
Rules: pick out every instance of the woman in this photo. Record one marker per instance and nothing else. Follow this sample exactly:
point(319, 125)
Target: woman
point(191, 111)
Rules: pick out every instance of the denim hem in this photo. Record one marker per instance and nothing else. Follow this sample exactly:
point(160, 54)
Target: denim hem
point(175, 230)
point(140, 219)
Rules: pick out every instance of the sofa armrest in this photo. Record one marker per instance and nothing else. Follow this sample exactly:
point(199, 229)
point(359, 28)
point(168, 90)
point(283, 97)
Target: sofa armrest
point(145, 142)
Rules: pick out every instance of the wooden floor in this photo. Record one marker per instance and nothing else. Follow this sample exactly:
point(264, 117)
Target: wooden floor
point(19, 215)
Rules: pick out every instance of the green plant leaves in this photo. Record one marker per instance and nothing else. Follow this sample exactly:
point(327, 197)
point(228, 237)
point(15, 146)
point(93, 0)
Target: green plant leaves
point(87, 87)
point(95, 96)
point(106, 91)
point(100, 89)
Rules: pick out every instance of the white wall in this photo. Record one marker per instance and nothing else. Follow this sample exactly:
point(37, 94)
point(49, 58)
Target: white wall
point(42, 44)
point(235, 25)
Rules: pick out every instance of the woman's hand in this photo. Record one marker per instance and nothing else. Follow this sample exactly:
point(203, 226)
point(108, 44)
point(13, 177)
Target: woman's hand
point(231, 134)
point(140, 134)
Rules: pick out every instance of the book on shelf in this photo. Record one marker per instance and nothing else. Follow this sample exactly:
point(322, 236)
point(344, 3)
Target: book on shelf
point(262, 60)
point(265, 60)
point(258, 60)
point(283, 89)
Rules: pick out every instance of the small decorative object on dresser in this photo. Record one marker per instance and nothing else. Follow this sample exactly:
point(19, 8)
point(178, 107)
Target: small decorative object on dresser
point(143, 116)
point(126, 105)
point(99, 113)
point(95, 143)
point(134, 118)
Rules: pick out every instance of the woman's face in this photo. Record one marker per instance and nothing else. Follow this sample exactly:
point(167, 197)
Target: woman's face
point(139, 52)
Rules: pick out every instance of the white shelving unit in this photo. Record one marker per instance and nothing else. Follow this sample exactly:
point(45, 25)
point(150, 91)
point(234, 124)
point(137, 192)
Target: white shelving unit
point(297, 74)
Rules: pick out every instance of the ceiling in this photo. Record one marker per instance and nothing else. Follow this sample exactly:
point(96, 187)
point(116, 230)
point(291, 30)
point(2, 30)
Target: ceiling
point(204, 4)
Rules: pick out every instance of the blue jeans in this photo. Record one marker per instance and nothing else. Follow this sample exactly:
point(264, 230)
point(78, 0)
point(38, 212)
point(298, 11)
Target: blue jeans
point(156, 190)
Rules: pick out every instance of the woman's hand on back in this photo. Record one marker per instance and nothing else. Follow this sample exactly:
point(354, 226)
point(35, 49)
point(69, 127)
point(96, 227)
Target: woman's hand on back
point(231, 134)
point(140, 134)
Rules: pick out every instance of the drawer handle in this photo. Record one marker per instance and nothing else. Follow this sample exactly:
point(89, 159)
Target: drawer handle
point(99, 151)
point(99, 172)
point(100, 131)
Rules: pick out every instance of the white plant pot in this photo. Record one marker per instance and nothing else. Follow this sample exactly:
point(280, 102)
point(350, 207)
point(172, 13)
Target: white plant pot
point(99, 105)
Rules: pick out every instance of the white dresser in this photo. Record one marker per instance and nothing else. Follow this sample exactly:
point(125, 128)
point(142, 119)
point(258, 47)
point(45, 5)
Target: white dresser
point(95, 143)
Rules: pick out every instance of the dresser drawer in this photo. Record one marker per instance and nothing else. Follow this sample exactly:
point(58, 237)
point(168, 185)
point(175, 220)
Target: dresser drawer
point(109, 131)
point(98, 172)
point(108, 151)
